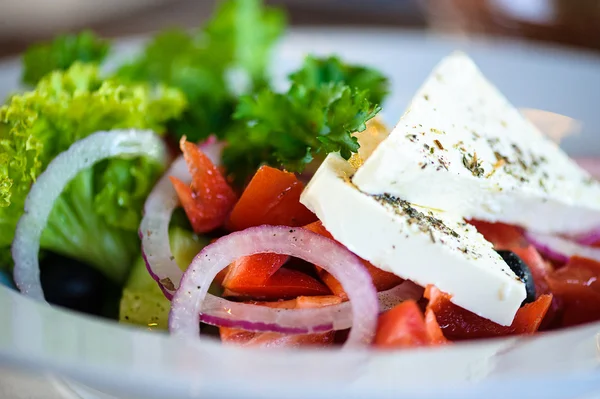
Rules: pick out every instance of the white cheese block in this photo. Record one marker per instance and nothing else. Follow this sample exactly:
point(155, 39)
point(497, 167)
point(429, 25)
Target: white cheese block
point(424, 246)
point(462, 147)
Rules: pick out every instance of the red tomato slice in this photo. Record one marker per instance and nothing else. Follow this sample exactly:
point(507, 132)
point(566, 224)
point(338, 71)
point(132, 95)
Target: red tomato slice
point(209, 199)
point(405, 327)
point(577, 286)
point(460, 324)
point(435, 333)
point(284, 283)
point(332, 283)
point(317, 227)
point(381, 279)
point(252, 270)
point(272, 197)
point(302, 302)
point(503, 236)
point(245, 338)
point(540, 270)
point(235, 336)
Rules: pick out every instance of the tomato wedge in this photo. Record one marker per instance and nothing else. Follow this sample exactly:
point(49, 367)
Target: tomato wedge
point(460, 324)
point(284, 283)
point(382, 280)
point(405, 327)
point(436, 335)
point(246, 338)
point(253, 270)
point(577, 286)
point(503, 236)
point(272, 197)
point(209, 199)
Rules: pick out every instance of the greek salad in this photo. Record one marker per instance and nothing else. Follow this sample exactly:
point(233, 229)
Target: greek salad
point(182, 191)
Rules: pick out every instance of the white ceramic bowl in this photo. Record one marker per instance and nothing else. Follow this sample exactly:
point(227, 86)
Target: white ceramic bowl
point(135, 363)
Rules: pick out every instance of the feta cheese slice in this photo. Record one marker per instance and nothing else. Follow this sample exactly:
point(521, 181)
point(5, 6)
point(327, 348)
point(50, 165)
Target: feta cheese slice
point(462, 147)
point(421, 245)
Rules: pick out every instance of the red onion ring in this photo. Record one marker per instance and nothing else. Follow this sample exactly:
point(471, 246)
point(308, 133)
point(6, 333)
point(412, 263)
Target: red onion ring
point(51, 183)
point(223, 313)
point(342, 264)
point(154, 228)
point(561, 249)
point(591, 238)
point(158, 209)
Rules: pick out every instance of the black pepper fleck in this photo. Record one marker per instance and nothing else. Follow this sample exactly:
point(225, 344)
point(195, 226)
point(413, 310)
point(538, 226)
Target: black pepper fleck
point(412, 137)
point(425, 223)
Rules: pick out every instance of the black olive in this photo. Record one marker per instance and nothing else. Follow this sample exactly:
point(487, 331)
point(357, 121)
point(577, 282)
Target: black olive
point(75, 285)
point(522, 271)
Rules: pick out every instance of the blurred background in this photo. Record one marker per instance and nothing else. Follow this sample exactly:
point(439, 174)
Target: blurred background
point(569, 22)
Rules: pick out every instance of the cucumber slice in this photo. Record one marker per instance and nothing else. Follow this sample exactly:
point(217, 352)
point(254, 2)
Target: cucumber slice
point(143, 302)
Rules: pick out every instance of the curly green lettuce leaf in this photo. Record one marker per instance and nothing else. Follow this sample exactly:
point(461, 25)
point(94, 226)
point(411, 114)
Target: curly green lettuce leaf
point(96, 218)
point(239, 37)
point(241, 34)
point(289, 129)
point(143, 302)
point(58, 55)
point(318, 71)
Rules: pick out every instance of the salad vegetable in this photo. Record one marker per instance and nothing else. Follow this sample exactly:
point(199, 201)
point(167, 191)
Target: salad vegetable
point(143, 302)
point(187, 302)
point(290, 129)
point(95, 220)
point(327, 103)
point(90, 173)
point(209, 199)
point(318, 71)
point(237, 41)
point(41, 59)
point(49, 187)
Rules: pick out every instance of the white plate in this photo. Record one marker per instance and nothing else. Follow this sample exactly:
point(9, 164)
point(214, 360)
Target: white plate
point(136, 363)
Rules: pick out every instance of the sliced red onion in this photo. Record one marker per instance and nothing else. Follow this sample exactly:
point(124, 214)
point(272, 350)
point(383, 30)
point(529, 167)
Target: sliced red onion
point(51, 183)
point(223, 313)
point(189, 299)
point(561, 249)
point(591, 238)
point(213, 149)
point(154, 228)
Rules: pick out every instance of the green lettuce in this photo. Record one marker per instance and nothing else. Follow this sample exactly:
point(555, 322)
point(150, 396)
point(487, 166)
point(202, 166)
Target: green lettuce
point(290, 129)
point(237, 41)
point(62, 52)
point(328, 101)
point(96, 218)
point(319, 71)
